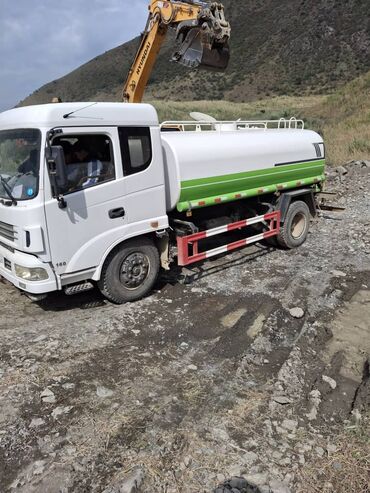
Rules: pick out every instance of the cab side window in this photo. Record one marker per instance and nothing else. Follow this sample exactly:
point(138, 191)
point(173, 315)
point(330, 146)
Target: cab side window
point(136, 149)
point(88, 158)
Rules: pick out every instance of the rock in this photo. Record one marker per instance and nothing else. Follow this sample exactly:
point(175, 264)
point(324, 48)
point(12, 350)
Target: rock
point(76, 466)
point(332, 383)
point(257, 479)
point(279, 487)
point(338, 273)
point(366, 164)
point(328, 486)
point(39, 467)
point(236, 470)
point(192, 368)
point(187, 461)
point(341, 170)
point(130, 484)
point(357, 415)
point(331, 449)
point(36, 422)
point(39, 338)
point(290, 424)
point(277, 455)
point(68, 386)
point(285, 462)
point(282, 399)
point(220, 478)
point(250, 457)
point(264, 489)
point(70, 450)
point(220, 435)
point(315, 395)
point(296, 312)
point(315, 399)
point(337, 466)
point(59, 411)
point(17, 482)
point(48, 396)
point(320, 451)
point(103, 392)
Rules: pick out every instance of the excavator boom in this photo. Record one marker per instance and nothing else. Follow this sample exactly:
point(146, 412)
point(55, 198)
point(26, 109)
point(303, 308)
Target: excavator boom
point(201, 29)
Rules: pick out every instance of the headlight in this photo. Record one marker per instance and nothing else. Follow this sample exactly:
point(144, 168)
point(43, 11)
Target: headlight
point(31, 274)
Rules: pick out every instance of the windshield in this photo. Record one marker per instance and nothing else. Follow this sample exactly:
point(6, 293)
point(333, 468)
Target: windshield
point(19, 163)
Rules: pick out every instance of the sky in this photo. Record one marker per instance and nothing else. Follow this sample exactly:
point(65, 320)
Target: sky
point(42, 40)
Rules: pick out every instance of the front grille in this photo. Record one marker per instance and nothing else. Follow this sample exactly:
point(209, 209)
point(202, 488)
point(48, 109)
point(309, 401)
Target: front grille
point(7, 247)
point(7, 264)
point(7, 231)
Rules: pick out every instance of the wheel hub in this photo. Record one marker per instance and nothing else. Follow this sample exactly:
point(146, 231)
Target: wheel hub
point(298, 226)
point(134, 270)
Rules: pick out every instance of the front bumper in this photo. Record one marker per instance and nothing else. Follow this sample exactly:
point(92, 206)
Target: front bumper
point(9, 258)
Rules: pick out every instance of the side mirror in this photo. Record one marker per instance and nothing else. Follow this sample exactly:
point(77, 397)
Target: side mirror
point(57, 172)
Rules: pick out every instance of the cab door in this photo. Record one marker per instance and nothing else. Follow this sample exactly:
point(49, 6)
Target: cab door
point(127, 199)
point(95, 205)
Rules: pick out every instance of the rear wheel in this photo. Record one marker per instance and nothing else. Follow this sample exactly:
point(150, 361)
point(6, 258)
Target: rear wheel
point(294, 231)
point(130, 271)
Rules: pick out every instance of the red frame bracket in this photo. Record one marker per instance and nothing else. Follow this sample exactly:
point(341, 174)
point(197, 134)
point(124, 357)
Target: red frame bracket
point(187, 243)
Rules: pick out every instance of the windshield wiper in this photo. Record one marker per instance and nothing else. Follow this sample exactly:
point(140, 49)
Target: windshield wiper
point(8, 190)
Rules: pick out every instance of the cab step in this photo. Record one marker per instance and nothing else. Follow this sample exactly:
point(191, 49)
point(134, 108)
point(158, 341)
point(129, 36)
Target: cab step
point(78, 288)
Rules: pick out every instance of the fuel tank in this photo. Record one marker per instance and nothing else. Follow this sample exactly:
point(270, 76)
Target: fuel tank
point(211, 167)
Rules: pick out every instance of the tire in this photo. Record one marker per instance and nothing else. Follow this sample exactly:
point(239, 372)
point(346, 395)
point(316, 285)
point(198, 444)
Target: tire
point(294, 231)
point(130, 271)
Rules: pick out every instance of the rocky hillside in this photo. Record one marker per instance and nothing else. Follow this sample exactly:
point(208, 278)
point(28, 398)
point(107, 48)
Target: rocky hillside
point(285, 47)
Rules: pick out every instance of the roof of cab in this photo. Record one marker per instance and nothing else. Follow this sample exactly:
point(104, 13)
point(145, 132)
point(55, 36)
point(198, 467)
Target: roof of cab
point(85, 114)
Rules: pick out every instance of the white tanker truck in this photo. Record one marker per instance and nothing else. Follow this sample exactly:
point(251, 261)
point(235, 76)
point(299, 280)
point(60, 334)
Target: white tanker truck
point(100, 193)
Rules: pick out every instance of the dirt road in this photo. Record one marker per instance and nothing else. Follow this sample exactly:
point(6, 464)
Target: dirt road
point(212, 376)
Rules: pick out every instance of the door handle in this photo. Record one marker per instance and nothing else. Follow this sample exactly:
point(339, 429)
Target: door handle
point(116, 213)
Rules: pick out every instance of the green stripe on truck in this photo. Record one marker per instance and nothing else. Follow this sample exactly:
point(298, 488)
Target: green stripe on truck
point(208, 191)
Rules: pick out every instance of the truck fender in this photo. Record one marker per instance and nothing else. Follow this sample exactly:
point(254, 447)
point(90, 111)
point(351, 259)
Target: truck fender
point(151, 235)
point(304, 194)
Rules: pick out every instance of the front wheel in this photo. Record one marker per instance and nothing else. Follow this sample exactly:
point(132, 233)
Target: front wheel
point(130, 271)
point(294, 231)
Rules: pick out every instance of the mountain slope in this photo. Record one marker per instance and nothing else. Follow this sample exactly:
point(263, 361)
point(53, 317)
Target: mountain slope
point(285, 47)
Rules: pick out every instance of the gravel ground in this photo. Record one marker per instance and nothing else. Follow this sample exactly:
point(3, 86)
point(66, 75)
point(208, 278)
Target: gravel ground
point(244, 366)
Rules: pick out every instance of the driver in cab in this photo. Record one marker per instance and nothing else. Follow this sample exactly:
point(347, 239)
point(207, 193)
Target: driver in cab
point(83, 170)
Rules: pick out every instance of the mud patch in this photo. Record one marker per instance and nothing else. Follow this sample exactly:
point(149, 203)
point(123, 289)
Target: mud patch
point(242, 325)
point(351, 335)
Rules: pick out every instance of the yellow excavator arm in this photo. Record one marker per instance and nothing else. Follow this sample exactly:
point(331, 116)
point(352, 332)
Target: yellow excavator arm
point(202, 30)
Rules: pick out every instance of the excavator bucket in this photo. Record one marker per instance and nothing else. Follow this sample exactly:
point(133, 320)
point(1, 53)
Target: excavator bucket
point(205, 41)
point(194, 53)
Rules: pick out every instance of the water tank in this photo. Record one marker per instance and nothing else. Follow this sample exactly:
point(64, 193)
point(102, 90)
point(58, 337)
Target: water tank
point(211, 167)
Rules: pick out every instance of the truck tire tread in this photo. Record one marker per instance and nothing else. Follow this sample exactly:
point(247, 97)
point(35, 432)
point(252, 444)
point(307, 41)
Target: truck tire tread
point(285, 238)
point(109, 283)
